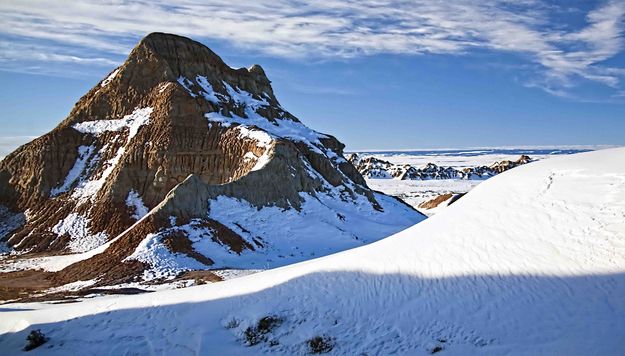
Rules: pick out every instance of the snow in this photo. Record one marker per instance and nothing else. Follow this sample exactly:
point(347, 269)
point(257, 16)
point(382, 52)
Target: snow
point(262, 161)
point(77, 227)
point(281, 128)
point(108, 79)
point(133, 122)
point(135, 202)
point(186, 84)
point(165, 264)
point(261, 137)
point(72, 287)
point(531, 261)
point(88, 189)
point(226, 274)
point(293, 237)
point(243, 98)
point(207, 90)
point(84, 153)
point(9, 221)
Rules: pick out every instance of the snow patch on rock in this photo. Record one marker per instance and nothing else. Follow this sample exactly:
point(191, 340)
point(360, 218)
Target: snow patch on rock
point(207, 90)
point(135, 202)
point(84, 153)
point(108, 79)
point(77, 227)
point(132, 122)
point(88, 189)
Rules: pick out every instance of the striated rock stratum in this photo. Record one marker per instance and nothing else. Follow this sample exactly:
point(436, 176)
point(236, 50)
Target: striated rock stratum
point(177, 162)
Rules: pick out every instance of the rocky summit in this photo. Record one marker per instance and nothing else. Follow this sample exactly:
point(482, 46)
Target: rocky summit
point(177, 162)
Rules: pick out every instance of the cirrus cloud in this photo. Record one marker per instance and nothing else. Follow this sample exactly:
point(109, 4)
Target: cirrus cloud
point(100, 33)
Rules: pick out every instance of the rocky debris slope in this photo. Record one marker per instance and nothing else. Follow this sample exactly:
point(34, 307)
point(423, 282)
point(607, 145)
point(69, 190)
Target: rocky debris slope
point(176, 161)
point(375, 168)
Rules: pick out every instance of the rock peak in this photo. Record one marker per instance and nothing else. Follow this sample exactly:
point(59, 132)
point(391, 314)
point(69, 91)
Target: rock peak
point(171, 57)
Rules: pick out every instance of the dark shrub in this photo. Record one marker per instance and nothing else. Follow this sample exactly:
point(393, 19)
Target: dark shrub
point(233, 323)
point(436, 349)
point(268, 323)
point(320, 344)
point(256, 334)
point(252, 336)
point(35, 339)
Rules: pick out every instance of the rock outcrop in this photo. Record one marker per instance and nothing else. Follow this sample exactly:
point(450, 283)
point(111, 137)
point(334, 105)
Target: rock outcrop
point(166, 164)
point(442, 200)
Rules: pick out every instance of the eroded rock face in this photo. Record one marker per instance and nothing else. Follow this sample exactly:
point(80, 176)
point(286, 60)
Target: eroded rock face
point(164, 135)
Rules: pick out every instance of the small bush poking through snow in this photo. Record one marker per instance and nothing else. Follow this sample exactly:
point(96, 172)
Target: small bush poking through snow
point(252, 336)
point(35, 339)
point(232, 323)
point(436, 349)
point(268, 323)
point(320, 344)
point(256, 334)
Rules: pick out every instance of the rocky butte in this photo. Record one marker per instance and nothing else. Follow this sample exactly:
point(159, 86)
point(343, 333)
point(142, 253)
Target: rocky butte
point(176, 162)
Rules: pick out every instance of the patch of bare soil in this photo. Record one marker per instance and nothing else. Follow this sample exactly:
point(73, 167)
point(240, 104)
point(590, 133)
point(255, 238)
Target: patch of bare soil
point(200, 277)
point(21, 284)
point(178, 242)
point(433, 203)
point(225, 236)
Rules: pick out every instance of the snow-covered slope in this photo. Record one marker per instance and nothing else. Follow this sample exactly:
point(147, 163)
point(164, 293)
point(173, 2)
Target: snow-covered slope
point(530, 262)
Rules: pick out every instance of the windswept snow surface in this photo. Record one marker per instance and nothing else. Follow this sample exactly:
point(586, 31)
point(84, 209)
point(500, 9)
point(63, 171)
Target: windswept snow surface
point(530, 262)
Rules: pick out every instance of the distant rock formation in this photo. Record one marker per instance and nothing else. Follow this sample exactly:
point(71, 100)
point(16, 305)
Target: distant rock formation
point(177, 162)
point(375, 168)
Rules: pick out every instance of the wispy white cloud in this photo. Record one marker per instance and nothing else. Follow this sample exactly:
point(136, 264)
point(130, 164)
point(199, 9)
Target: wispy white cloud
point(94, 32)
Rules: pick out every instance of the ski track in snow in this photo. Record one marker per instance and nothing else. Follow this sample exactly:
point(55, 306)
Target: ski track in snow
point(537, 270)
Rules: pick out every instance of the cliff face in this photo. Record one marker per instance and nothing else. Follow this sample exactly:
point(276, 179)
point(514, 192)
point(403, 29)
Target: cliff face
point(156, 151)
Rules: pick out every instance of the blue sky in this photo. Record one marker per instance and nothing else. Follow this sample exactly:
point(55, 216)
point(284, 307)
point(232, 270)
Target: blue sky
point(376, 74)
